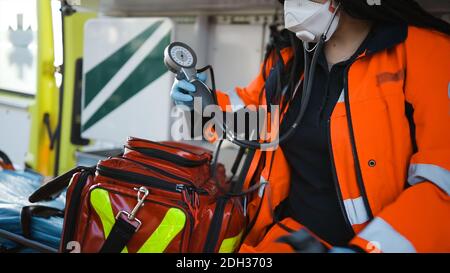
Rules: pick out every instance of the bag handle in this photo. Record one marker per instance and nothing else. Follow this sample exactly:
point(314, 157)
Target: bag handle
point(28, 212)
point(53, 189)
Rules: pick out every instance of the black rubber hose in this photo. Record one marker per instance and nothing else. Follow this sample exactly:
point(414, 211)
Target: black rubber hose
point(307, 89)
point(306, 95)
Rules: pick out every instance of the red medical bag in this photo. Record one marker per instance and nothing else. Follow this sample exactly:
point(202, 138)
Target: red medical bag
point(154, 198)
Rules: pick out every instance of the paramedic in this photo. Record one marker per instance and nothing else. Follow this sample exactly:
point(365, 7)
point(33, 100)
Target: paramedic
point(368, 168)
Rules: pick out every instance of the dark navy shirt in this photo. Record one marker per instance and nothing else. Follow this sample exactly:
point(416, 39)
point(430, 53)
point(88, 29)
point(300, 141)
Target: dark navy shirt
point(313, 199)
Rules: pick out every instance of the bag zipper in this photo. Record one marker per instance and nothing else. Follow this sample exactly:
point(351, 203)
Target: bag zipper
point(144, 180)
point(159, 170)
point(215, 226)
point(166, 145)
point(166, 156)
point(73, 208)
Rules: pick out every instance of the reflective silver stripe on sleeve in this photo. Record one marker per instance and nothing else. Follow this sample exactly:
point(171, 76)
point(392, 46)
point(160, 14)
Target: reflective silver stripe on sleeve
point(428, 172)
point(236, 102)
point(386, 238)
point(356, 211)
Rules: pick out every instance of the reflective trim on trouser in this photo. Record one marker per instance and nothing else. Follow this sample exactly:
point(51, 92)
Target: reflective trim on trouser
point(428, 172)
point(356, 211)
point(386, 238)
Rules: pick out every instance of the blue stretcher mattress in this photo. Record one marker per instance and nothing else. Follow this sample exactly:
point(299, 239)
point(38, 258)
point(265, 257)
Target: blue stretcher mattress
point(15, 188)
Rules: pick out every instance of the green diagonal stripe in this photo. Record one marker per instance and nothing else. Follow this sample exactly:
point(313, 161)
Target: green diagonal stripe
point(102, 73)
point(150, 69)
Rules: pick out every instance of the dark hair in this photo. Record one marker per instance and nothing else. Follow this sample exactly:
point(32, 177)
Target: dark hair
point(395, 11)
point(388, 12)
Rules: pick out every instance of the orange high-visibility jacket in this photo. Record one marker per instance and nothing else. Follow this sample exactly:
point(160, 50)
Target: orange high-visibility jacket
point(392, 173)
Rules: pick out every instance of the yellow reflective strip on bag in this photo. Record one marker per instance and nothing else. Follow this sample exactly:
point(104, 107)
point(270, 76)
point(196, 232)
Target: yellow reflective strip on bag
point(173, 222)
point(102, 205)
point(229, 245)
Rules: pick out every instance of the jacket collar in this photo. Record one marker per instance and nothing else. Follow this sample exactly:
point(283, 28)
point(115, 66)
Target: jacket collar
point(386, 36)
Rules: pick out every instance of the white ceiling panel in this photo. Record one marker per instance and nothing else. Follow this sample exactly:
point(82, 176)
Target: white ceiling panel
point(167, 7)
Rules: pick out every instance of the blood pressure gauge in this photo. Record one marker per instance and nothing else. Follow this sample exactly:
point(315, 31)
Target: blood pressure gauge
point(179, 55)
point(182, 60)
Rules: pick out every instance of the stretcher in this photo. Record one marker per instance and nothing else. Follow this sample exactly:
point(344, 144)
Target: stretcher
point(26, 227)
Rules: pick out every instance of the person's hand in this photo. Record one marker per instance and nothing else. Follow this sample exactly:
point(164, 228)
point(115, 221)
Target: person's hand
point(303, 242)
point(183, 90)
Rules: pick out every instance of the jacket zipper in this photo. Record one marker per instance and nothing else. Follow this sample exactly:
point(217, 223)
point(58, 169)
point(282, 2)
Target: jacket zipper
point(73, 207)
point(336, 182)
point(145, 180)
point(358, 171)
point(159, 154)
point(215, 226)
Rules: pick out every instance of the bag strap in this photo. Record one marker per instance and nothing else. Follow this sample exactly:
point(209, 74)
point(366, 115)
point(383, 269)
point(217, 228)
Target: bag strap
point(28, 212)
point(5, 162)
point(239, 184)
point(119, 237)
point(52, 189)
point(237, 162)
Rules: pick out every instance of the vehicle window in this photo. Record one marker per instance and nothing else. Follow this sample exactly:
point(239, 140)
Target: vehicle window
point(18, 45)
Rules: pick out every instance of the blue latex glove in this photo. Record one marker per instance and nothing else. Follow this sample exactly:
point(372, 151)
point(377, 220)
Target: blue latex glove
point(182, 90)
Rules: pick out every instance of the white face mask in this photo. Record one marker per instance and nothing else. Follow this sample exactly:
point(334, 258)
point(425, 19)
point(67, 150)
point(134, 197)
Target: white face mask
point(310, 20)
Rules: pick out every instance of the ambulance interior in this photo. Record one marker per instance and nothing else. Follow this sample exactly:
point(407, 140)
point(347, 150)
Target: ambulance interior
point(77, 77)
